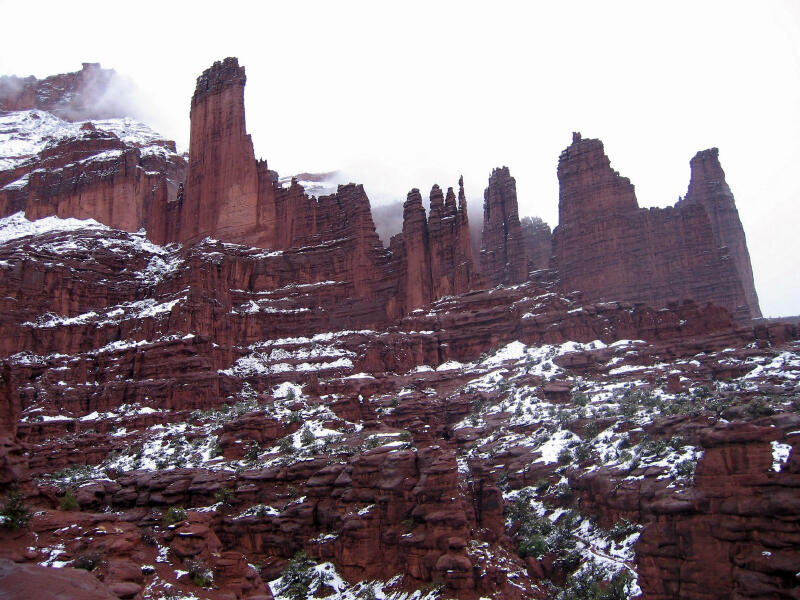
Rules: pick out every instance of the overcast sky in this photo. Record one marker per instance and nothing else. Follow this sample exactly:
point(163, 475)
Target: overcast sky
point(407, 94)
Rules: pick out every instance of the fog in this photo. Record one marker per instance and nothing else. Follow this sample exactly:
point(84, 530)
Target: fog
point(405, 95)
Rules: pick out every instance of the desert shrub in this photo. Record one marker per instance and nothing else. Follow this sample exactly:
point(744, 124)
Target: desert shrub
point(533, 545)
point(88, 562)
point(68, 501)
point(541, 485)
point(14, 511)
point(225, 496)
point(590, 431)
point(253, 452)
point(580, 398)
point(592, 583)
point(148, 537)
point(652, 447)
point(622, 529)
point(297, 577)
point(175, 514)
point(686, 468)
point(199, 573)
point(565, 456)
point(286, 445)
point(583, 452)
point(562, 491)
point(307, 437)
point(758, 408)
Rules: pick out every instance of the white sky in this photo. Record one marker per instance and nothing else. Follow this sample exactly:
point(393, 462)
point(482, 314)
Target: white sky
point(407, 94)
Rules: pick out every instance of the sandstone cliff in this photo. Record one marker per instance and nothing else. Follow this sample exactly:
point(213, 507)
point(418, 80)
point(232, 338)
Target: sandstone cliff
point(608, 248)
point(708, 188)
point(91, 93)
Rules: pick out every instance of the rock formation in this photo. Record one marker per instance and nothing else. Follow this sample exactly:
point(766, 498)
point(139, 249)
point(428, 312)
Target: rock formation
point(176, 413)
point(708, 188)
point(221, 198)
point(503, 259)
point(608, 248)
point(91, 93)
point(538, 240)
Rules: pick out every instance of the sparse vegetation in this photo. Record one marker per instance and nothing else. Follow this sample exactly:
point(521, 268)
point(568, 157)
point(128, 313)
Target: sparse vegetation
point(297, 577)
point(88, 562)
point(14, 511)
point(225, 496)
point(199, 573)
point(68, 501)
point(175, 514)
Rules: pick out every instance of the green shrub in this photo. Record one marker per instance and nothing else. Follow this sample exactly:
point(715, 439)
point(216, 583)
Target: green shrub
point(224, 495)
point(297, 577)
point(306, 437)
point(565, 456)
point(622, 529)
point(14, 511)
point(758, 408)
point(253, 452)
point(68, 501)
point(583, 452)
point(686, 468)
point(175, 514)
point(534, 545)
point(286, 445)
point(199, 573)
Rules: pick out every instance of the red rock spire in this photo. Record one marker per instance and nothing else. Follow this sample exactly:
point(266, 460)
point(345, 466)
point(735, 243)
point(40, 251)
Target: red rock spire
point(221, 194)
point(503, 257)
point(708, 188)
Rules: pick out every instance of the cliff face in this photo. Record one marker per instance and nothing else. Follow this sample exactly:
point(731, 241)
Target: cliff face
point(91, 93)
point(707, 187)
point(503, 258)
point(608, 248)
point(95, 171)
point(277, 382)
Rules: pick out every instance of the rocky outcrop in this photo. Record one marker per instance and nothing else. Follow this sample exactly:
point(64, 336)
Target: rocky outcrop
point(84, 94)
point(608, 248)
point(90, 173)
point(503, 258)
point(707, 187)
point(22, 581)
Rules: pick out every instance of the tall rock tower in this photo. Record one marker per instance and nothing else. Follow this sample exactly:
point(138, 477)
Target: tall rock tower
point(707, 187)
point(503, 258)
point(221, 195)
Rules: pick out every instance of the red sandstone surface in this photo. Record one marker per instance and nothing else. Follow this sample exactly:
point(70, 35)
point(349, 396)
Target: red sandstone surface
point(193, 388)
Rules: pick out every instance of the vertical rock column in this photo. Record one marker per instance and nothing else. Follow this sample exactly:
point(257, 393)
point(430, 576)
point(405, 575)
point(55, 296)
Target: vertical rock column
point(503, 258)
point(418, 288)
point(709, 189)
point(221, 195)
